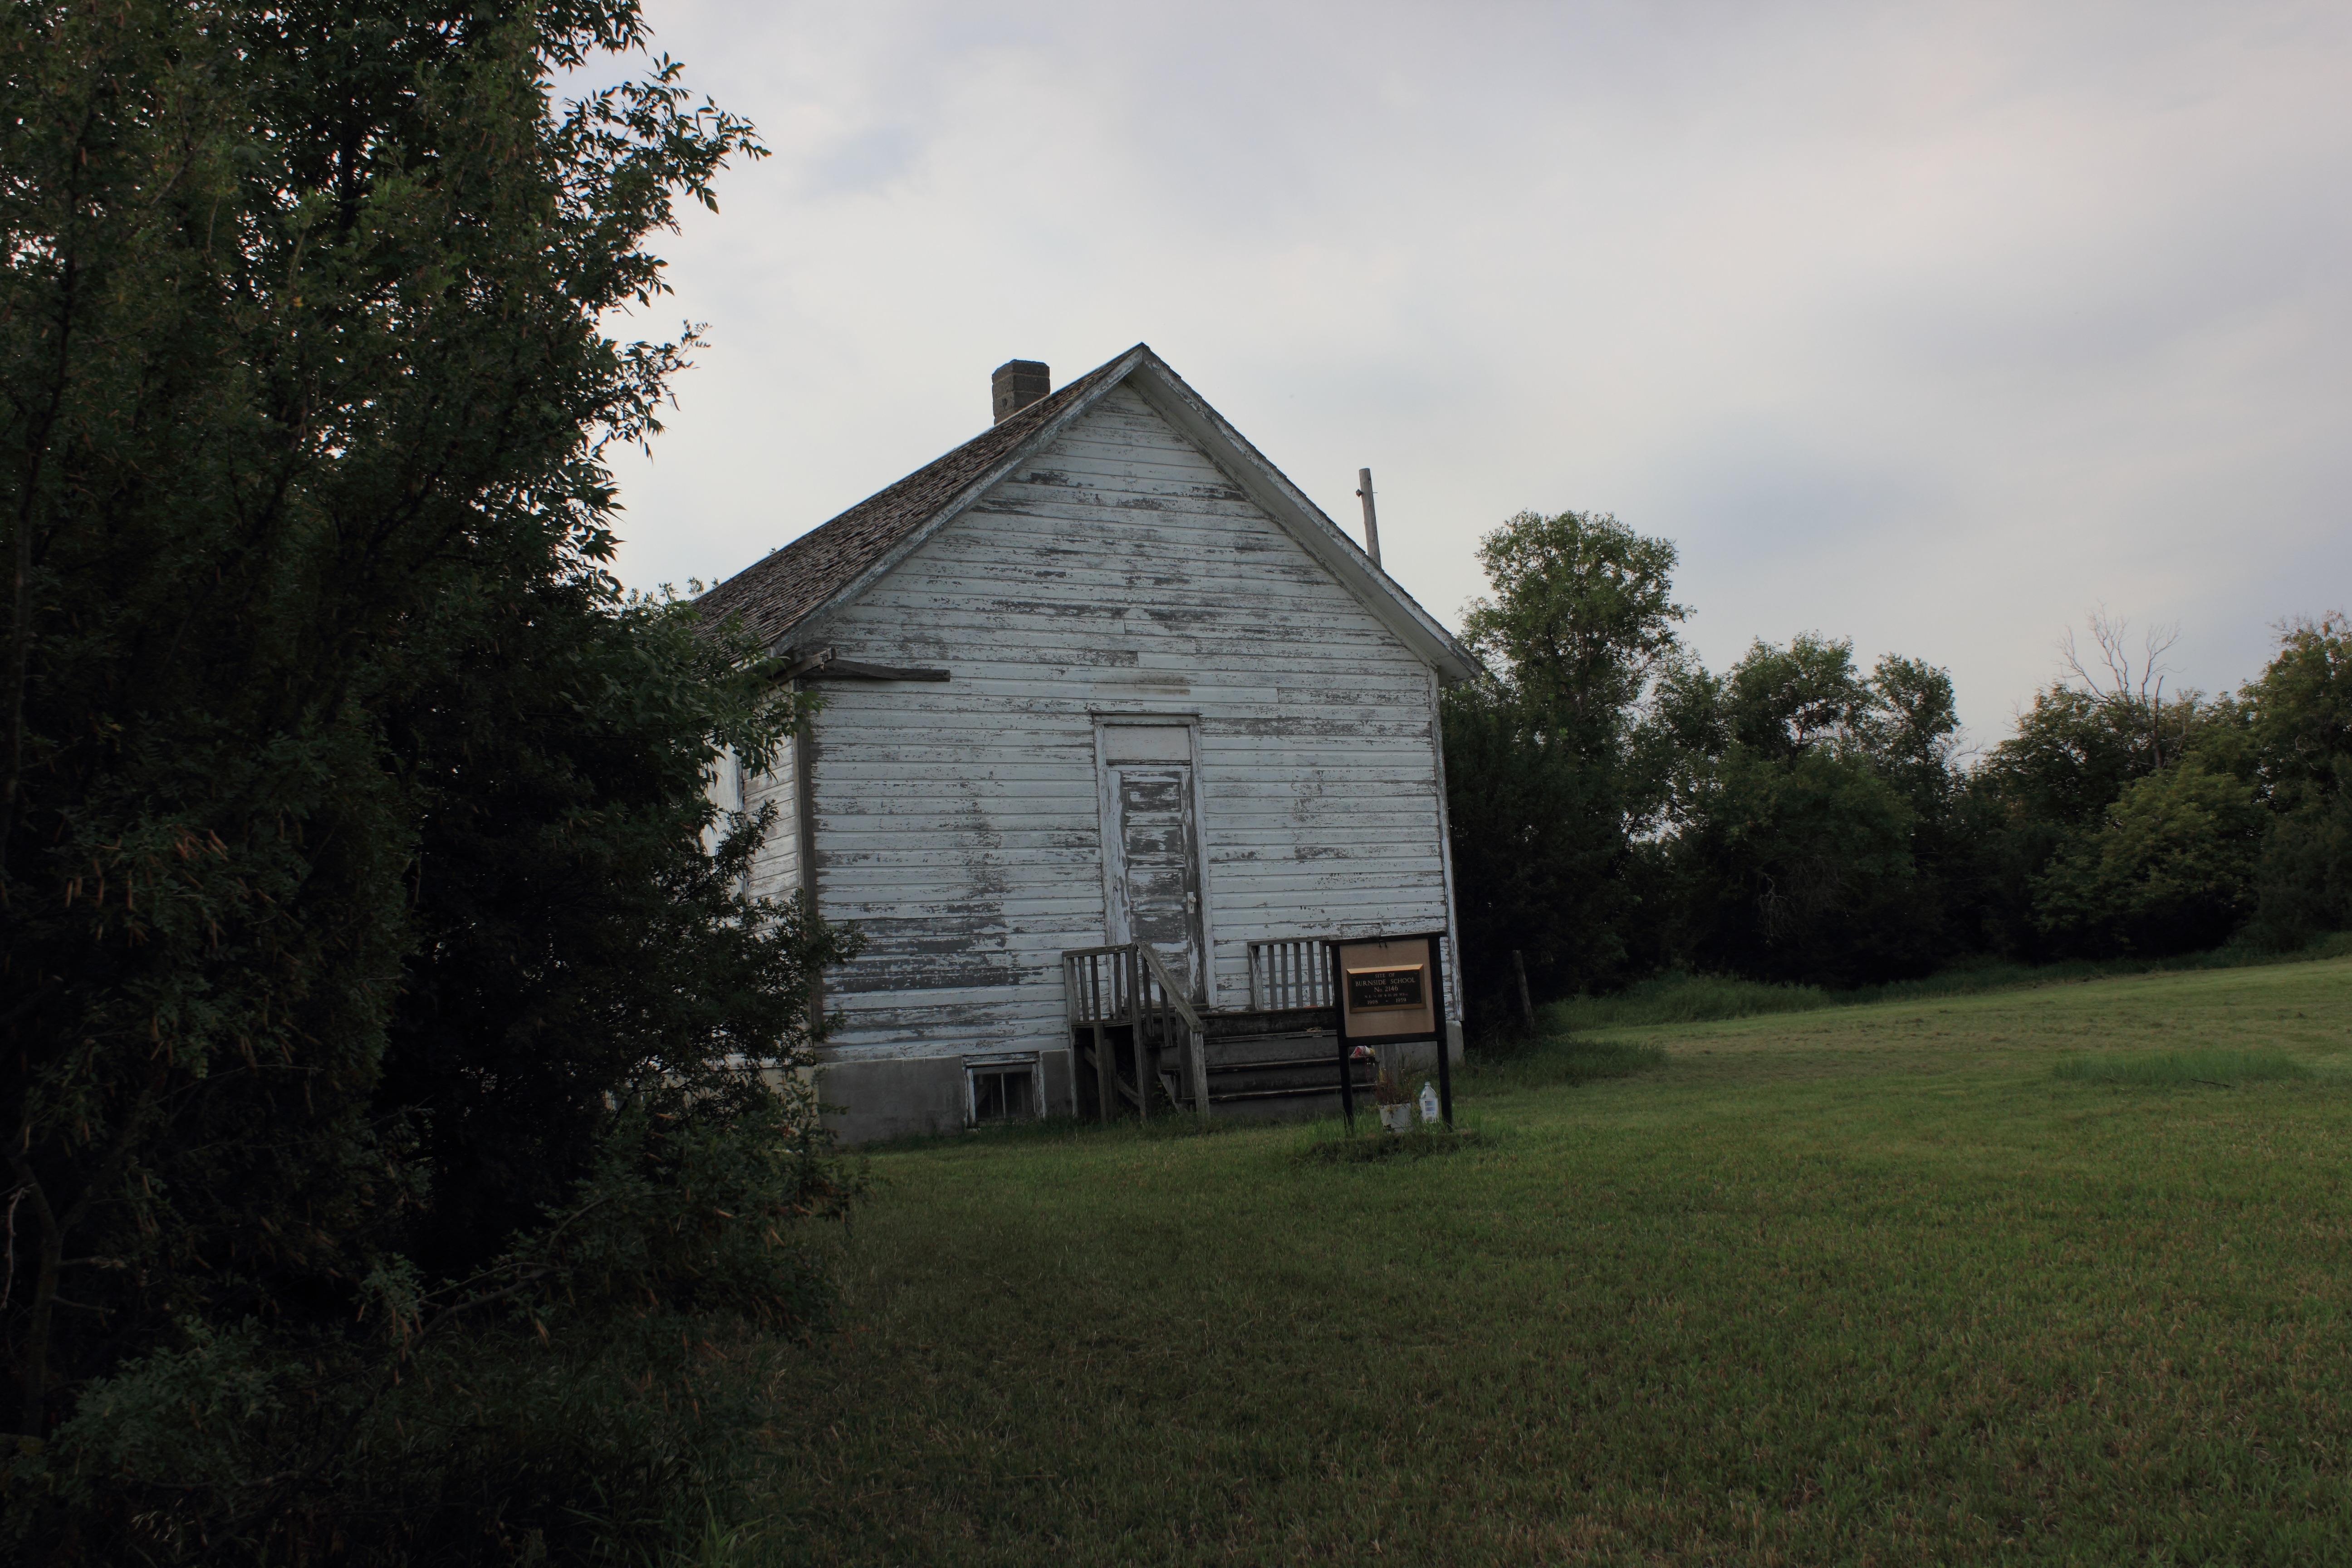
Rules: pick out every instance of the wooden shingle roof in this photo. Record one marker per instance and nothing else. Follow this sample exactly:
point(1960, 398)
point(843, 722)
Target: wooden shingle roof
point(775, 592)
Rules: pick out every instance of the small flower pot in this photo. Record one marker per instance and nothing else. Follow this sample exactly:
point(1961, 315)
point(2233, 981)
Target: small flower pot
point(1396, 1118)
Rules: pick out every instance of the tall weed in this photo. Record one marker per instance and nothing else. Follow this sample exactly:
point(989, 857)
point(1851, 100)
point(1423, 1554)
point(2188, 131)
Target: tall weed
point(1686, 998)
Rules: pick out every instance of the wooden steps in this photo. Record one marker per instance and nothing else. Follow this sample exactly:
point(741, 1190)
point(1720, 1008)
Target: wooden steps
point(1269, 1066)
point(1139, 1045)
point(1267, 1054)
point(1251, 1058)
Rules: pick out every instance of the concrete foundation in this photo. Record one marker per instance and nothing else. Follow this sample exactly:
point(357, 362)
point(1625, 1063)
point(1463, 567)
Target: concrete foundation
point(914, 1097)
point(918, 1095)
point(870, 1100)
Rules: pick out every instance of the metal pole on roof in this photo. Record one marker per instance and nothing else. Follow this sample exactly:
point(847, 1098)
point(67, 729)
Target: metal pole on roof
point(1372, 523)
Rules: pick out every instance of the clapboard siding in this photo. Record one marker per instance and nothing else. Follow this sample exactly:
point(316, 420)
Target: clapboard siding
point(1117, 571)
point(777, 871)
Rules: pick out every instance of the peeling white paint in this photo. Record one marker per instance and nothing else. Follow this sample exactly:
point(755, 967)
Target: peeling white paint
point(1121, 572)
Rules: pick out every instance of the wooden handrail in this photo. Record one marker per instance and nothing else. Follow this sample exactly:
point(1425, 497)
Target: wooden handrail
point(1167, 986)
point(1174, 1005)
point(1129, 984)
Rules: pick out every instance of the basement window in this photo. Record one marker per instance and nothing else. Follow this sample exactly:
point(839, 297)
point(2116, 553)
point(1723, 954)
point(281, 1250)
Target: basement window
point(1004, 1091)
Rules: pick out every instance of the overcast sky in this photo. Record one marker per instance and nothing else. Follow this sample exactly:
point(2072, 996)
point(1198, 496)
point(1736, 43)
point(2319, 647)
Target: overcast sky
point(1931, 327)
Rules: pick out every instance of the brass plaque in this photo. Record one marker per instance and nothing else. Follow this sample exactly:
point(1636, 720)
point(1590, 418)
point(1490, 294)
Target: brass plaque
point(1386, 990)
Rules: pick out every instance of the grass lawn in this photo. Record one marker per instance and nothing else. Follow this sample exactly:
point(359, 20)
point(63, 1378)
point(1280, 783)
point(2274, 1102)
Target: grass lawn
point(1943, 1281)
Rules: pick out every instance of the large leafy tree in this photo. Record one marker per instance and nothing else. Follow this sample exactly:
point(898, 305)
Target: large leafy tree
point(2041, 808)
point(1540, 854)
point(2169, 868)
point(1810, 811)
point(2299, 744)
point(1544, 792)
point(1582, 617)
point(2301, 713)
point(357, 933)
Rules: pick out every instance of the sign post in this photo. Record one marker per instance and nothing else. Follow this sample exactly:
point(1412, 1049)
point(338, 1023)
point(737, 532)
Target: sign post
point(1391, 991)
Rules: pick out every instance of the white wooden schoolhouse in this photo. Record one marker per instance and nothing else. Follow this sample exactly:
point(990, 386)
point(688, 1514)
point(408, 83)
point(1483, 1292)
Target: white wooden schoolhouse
point(1118, 729)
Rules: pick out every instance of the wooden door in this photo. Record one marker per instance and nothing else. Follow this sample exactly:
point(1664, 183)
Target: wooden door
point(1152, 841)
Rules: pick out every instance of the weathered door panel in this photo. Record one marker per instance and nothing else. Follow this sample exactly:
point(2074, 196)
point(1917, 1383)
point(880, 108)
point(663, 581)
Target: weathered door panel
point(1152, 845)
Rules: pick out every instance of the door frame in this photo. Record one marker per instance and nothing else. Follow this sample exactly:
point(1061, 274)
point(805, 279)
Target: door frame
point(1114, 845)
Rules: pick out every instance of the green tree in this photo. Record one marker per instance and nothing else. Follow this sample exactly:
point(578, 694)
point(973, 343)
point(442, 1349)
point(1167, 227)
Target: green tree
point(2049, 787)
point(1582, 619)
point(1782, 702)
point(1543, 792)
point(2170, 869)
point(2300, 737)
point(2300, 712)
point(2075, 751)
point(572, 937)
point(1913, 731)
point(1809, 812)
point(368, 991)
point(1540, 854)
point(2302, 882)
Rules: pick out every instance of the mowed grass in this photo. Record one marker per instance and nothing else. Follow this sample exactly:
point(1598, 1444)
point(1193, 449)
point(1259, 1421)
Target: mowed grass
point(1870, 1285)
point(2212, 1070)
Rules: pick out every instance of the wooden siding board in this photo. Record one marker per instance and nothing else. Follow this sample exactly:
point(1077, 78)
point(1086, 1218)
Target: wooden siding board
point(1238, 740)
point(776, 871)
point(1076, 630)
point(1030, 588)
point(887, 756)
point(1044, 645)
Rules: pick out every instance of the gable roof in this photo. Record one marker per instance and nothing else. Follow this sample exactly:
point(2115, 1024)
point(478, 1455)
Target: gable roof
point(835, 561)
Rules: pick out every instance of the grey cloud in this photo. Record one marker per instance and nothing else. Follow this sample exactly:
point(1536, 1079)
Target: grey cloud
point(1928, 328)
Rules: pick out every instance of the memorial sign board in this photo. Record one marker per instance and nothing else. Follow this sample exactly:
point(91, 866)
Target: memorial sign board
point(1391, 991)
point(1384, 989)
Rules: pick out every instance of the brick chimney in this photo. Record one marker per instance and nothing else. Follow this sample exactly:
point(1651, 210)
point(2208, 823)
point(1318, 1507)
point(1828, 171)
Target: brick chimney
point(1017, 383)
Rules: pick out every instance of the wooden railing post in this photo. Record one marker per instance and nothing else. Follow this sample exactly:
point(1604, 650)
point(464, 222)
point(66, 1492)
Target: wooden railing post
point(1105, 1076)
point(1142, 1024)
point(1196, 1048)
